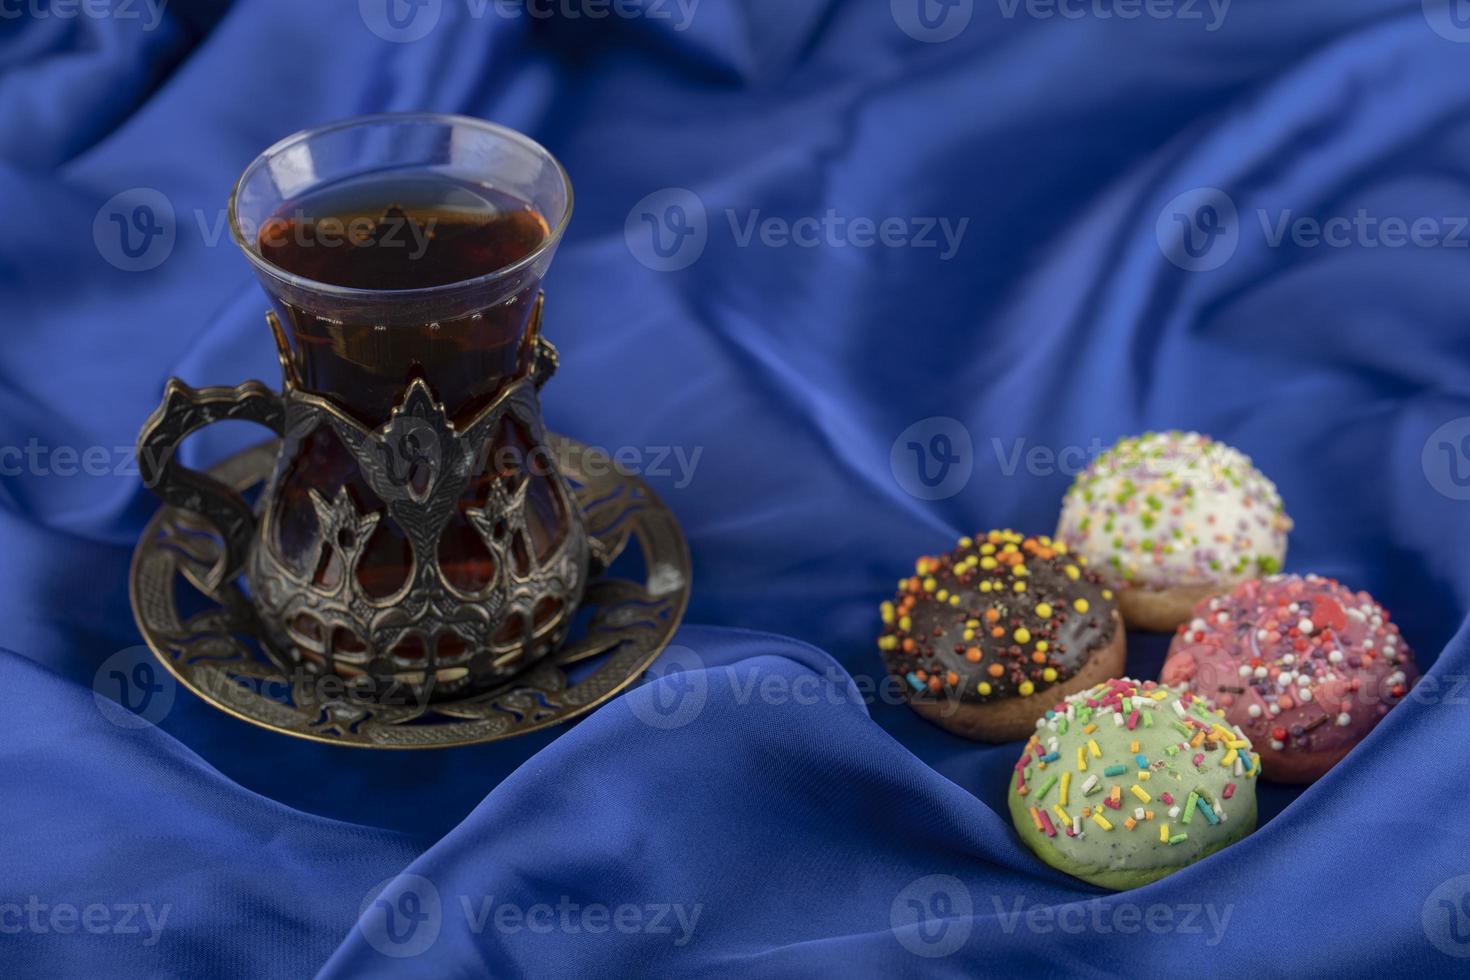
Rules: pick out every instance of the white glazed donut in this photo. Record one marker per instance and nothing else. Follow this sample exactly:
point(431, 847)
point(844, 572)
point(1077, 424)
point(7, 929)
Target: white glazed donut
point(1170, 518)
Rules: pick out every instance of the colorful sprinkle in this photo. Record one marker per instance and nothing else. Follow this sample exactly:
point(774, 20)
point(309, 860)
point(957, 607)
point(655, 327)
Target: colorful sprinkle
point(1157, 773)
point(1164, 508)
point(955, 631)
point(1293, 653)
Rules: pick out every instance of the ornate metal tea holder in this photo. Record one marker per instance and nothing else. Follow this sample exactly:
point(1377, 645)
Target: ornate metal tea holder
point(207, 631)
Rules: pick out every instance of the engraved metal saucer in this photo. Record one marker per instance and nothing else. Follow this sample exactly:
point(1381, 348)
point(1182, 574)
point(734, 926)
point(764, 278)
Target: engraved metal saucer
point(210, 643)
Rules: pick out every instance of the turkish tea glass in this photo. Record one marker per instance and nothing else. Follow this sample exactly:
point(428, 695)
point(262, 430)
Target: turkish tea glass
point(416, 529)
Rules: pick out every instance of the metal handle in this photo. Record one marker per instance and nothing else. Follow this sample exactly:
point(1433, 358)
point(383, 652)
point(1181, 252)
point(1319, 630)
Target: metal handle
point(544, 357)
point(184, 411)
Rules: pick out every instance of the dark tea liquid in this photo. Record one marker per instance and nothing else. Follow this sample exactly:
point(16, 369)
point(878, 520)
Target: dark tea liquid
point(403, 231)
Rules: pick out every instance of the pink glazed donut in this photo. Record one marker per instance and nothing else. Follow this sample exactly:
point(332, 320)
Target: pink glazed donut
point(1305, 666)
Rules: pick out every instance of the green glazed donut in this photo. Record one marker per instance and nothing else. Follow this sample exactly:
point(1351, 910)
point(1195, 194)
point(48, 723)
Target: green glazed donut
point(1130, 781)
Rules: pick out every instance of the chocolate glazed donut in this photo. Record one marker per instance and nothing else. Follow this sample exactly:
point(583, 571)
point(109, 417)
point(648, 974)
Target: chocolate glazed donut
point(991, 635)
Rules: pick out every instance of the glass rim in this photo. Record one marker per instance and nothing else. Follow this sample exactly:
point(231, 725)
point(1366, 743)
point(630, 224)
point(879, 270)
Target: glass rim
point(447, 120)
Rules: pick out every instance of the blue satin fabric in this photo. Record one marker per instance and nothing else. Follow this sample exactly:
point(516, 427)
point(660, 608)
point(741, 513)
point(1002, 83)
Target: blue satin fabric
point(795, 821)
